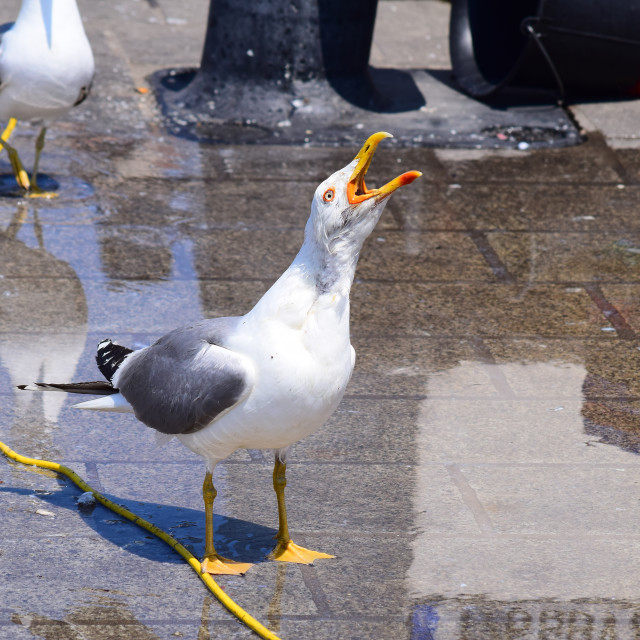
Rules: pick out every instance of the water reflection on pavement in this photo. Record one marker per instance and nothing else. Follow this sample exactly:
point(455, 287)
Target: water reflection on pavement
point(480, 479)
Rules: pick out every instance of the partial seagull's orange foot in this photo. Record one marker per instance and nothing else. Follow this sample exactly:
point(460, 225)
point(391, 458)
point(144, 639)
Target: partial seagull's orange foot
point(291, 552)
point(219, 566)
point(36, 192)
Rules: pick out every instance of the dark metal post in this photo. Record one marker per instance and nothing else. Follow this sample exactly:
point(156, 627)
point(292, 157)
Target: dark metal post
point(277, 69)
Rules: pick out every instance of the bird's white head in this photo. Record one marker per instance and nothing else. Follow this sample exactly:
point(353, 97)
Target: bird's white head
point(344, 211)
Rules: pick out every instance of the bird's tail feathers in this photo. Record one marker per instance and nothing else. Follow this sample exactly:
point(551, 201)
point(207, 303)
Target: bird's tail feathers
point(110, 356)
point(114, 402)
point(99, 387)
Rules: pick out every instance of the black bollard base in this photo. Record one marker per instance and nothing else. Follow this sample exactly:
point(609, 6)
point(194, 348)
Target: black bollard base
point(320, 111)
point(418, 107)
point(297, 72)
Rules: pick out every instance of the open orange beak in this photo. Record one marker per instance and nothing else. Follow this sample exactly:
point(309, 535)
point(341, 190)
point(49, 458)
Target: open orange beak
point(357, 190)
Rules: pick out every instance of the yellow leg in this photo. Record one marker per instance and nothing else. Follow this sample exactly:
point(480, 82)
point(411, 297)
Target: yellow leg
point(11, 125)
point(21, 175)
point(34, 190)
point(286, 550)
point(212, 562)
point(22, 178)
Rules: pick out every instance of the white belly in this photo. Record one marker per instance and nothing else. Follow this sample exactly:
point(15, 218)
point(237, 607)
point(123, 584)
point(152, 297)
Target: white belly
point(42, 83)
point(301, 376)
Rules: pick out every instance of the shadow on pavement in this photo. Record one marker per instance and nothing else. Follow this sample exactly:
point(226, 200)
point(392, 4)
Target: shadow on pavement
point(234, 538)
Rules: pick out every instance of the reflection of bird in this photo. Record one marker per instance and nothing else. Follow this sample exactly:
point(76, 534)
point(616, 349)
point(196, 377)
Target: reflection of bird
point(25, 351)
point(266, 379)
point(46, 67)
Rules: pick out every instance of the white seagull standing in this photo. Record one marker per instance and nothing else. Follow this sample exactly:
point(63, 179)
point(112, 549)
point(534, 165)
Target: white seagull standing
point(46, 67)
point(266, 379)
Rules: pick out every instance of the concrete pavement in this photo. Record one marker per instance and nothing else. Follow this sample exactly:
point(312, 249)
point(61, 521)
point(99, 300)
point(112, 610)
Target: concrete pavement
point(480, 479)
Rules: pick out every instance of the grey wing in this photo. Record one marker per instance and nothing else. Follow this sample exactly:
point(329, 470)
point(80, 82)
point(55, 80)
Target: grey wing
point(186, 379)
point(83, 94)
point(4, 28)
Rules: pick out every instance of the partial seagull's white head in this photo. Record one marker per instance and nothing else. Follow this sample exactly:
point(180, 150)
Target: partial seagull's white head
point(344, 211)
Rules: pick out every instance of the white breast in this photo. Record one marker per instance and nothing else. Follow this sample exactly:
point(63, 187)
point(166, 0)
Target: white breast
point(45, 61)
point(302, 370)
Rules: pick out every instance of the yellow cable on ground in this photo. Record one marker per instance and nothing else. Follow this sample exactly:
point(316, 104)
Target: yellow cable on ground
point(211, 584)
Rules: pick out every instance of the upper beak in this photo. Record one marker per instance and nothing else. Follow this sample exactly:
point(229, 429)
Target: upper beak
point(356, 188)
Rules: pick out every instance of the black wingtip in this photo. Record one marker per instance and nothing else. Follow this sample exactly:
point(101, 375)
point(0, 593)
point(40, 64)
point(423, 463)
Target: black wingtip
point(110, 356)
point(99, 387)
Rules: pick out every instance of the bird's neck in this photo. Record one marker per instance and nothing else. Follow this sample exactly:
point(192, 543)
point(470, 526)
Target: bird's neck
point(318, 278)
point(329, 268)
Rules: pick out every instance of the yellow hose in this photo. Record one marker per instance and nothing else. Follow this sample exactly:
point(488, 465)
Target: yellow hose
point(211, 584)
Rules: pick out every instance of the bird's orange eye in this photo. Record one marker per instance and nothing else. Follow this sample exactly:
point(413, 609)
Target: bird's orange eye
point(329, 195)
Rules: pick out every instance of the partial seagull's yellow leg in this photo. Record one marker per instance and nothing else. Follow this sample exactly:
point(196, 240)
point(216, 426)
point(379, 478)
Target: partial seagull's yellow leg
point(11, 125)
point(22, 178)
point(34, 190)
point(286, 550)
point(212, 562)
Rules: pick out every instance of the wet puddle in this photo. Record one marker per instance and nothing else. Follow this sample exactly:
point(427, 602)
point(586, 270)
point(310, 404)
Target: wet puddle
point(488, 440)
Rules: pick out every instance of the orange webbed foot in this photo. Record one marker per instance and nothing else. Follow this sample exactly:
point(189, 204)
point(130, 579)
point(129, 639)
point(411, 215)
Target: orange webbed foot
point(291, 552)
point(218, 566)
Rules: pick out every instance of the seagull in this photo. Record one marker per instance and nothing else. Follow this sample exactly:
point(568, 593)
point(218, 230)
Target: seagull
point(46, 68)
point(266, 379)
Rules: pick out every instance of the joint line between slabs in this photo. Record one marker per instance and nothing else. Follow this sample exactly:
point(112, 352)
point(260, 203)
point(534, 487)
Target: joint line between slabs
point(312, 582)
point(494, 372)
point(611, 314)
point(599, 140)
point(470, 498)
point(93, 476)
point(490, 256)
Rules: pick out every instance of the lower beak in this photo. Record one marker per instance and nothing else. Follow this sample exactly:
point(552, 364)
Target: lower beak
point(357, 190)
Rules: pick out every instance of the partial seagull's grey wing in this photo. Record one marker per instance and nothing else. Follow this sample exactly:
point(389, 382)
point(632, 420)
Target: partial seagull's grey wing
point(3, 29)
point(187, 378)
point(83, 94)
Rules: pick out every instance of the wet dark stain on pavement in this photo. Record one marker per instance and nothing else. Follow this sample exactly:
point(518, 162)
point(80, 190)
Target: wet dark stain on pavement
point(106, 621)
point(615, 422)
point(470, 618)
